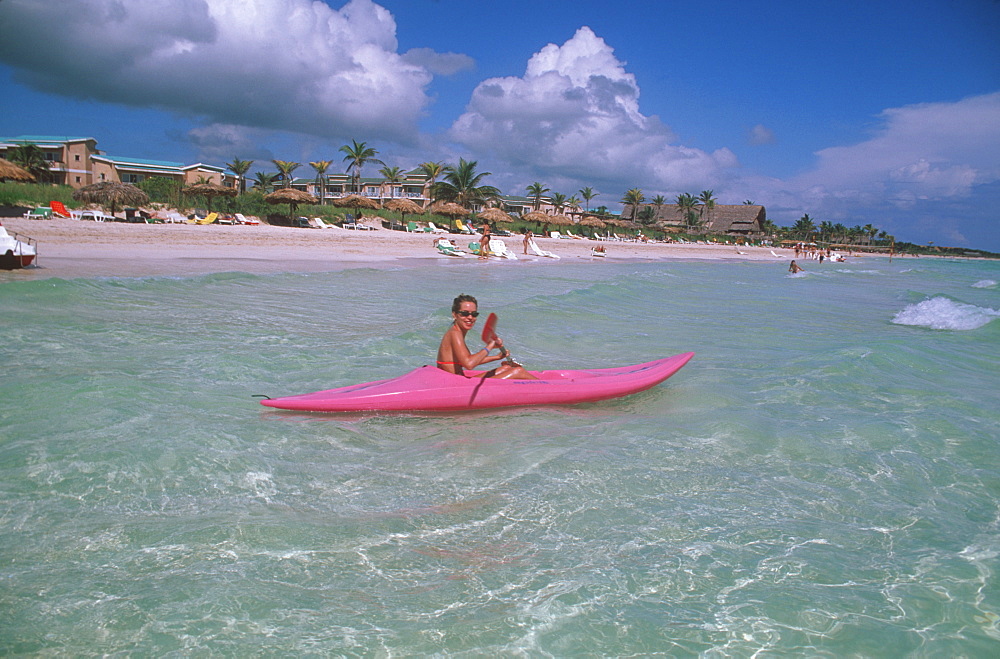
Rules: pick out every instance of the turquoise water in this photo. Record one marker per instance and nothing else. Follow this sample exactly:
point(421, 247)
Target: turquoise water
point(822, 479)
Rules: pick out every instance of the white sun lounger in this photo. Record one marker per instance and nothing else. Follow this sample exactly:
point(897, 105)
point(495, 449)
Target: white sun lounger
point(538, 251)
point(499, 248)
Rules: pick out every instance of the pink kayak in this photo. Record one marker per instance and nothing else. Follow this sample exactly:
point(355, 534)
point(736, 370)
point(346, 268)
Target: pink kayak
point(428, 389)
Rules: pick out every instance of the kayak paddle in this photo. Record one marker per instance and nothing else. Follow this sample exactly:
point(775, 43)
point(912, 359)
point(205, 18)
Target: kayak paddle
point(490, 333)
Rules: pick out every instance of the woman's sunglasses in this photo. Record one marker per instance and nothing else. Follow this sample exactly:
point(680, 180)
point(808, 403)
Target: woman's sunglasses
point(466, 314)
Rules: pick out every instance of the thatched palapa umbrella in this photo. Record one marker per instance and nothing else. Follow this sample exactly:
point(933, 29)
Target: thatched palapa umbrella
point(290, 196)
point(356, 201)
point(403, 206)
point(495, 215)
point(593, 222)
point(111, 194)
point(11, 172)
point(209, 190)
point(450, 210)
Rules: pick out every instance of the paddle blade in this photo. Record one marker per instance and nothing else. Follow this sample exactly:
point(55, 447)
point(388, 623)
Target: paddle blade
point(490, 328)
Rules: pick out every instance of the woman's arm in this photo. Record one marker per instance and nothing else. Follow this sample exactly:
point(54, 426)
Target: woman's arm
point(470, 360)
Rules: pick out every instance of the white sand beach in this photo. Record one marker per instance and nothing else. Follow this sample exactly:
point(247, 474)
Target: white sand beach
point(73, 248)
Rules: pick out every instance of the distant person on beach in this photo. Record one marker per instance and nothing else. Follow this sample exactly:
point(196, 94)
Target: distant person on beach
point(527, 241)
point(454, 356)
point(794, 268)
point(484, 243)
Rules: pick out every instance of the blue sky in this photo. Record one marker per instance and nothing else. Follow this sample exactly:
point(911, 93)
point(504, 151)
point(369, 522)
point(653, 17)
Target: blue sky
point(885, 113)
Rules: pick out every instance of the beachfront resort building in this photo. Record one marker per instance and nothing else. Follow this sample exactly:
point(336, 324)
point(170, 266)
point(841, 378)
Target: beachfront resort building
point(76, 162)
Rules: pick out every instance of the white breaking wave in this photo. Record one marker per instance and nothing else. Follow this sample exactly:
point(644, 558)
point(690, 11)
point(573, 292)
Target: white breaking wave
point(943, 313)
point(984, 283)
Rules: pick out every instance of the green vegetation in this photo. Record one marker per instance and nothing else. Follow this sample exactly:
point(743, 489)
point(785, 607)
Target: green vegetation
point(35, 194)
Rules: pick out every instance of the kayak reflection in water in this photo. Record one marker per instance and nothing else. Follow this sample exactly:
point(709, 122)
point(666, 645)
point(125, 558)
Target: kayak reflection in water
point(454, 356)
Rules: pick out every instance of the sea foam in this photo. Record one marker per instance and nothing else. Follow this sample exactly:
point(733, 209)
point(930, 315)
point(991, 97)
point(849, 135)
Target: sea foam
point(944, 313)
point(984, 283)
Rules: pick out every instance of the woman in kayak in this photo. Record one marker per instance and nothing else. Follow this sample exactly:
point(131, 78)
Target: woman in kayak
point(454, 356)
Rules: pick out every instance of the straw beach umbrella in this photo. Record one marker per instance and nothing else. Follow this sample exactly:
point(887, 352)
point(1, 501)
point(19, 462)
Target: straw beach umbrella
point(403, 206)
point(356, 201)
point(451, 210)
point(11, 172)
point(593, 222)
point(111, 194)
point(290, 196)
point(495, 215)
point(209, 190)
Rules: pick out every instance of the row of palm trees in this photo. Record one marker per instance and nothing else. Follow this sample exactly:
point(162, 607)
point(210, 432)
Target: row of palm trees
point(805, 228)
point(463, 184)
point(460, 183)
point(696, 210)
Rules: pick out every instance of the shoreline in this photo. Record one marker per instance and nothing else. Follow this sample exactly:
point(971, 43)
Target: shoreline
point(74, 248)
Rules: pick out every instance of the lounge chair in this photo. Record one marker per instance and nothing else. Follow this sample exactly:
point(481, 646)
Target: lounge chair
point(464, 229)
point(554, 234)
point(173, 217)
point(242, 219)
point(96, 216)
point(448, 249)
point(39, 213)
point(499, 248)
point(435, 229)
point(208, 219)
point(537, 251)
point(59, 209)
point(412, 227)
point(474, 248)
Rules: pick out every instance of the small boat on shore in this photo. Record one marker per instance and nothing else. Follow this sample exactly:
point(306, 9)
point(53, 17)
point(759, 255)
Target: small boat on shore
point(430, 389)
point(15, 253)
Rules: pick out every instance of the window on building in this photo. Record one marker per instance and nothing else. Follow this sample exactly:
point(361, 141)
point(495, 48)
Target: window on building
point(77, 179)
point(131, 178)
point(77, 157)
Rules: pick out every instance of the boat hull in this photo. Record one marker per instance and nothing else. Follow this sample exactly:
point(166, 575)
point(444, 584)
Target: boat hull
point(430, 389)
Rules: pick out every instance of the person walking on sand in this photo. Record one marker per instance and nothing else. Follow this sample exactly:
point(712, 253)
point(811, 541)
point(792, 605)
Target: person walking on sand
point(794, 268)
point(484, 243)
point(527, 241)
point(454, 356)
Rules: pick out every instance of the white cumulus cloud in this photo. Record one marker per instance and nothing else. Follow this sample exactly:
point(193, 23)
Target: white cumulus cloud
point(575, 113)
point(295, 65)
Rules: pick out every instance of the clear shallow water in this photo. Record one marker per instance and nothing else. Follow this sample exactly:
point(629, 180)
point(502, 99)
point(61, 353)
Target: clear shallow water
point(823, 478)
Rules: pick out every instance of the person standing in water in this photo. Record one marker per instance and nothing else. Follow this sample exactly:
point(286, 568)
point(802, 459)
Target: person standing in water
point(484, 243)
point(454, 356)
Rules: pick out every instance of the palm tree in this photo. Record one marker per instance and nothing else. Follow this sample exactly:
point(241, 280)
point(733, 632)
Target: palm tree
point(30, 157)
point(559, 201)
point(588, 194)
point(688, 204)
point(871, 231)
point(391, 175)
point(536, 191)
point(462, 185)
point(240, 168)
point(573, 203)
point(321, 166)
point(707, 199)
point(658, 201)
point(432, 170)
point(748, 202)
point(804, 227)
point(825, 230)
point(285, 169)
point(357, 155)
point(633, 198)
point(263, 180)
